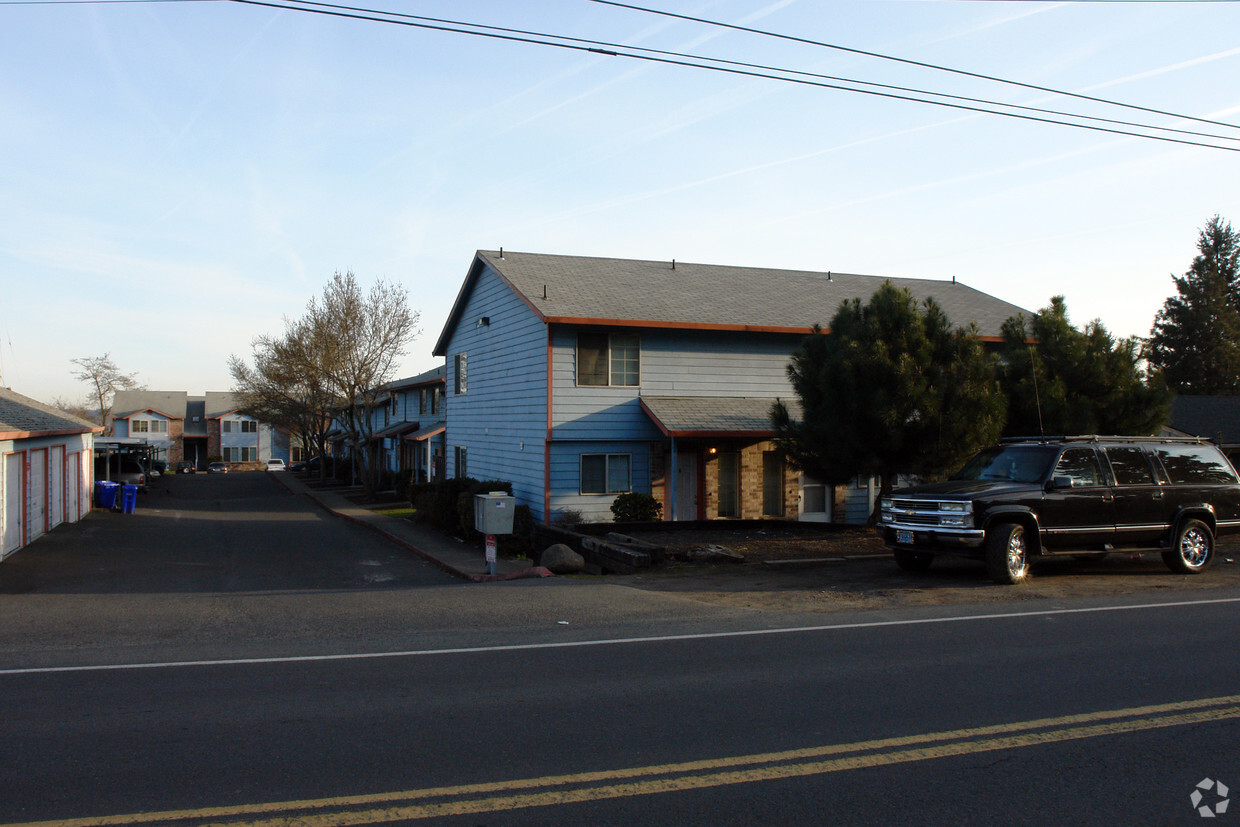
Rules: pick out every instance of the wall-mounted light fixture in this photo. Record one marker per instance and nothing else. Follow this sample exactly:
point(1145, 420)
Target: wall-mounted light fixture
point(484, 321)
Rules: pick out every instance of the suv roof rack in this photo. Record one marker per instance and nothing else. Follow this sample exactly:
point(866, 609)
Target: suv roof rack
point(1192, 440)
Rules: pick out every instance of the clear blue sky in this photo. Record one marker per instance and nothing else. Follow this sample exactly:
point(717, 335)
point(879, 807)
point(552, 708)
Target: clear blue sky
point(178, 177)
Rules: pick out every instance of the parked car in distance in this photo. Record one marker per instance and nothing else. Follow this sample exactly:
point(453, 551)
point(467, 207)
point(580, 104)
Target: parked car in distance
point(275, 465)
point(1078, 496)
point(123, 469)
point(217, 468)
point(186, 467)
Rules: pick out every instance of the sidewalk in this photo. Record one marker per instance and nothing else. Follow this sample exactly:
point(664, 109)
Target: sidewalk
point(447, 553)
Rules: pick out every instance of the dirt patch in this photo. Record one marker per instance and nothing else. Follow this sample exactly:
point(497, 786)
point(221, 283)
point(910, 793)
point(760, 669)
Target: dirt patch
point(799, 569)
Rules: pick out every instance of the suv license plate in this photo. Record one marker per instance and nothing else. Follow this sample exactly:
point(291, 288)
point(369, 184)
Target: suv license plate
point(904, 537)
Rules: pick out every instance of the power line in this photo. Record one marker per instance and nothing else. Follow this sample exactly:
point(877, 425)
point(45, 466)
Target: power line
point(742, 68)
point(688, 61)
point(766, 68)
point(907, 61)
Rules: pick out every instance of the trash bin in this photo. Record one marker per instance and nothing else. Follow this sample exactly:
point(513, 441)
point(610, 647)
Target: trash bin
point(105, 493)
point(129, 498)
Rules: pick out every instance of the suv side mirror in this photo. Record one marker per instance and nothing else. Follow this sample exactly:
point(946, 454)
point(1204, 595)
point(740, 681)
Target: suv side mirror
point(1057, 483)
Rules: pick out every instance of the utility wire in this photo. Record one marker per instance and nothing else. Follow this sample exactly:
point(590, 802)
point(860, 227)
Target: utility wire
point(907, 61)
point(739, 67)
point(768, 68)
point(514, 36)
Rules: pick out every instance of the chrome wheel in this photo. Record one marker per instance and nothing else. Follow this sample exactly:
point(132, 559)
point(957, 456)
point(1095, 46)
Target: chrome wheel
point(1195, 545)
point(1017, 558)
point(1007, 553)
point(1193, 550)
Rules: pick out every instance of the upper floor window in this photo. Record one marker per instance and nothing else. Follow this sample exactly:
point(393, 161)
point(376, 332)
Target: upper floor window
point(422, 401)
point(608, 359)
point(460, 373)
point(140, 426)
point(244, 426)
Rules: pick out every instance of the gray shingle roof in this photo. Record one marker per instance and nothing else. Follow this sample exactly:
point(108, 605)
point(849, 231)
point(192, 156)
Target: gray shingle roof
point(703, 415)
point(426, 378)
point(608, 289)
point(171, 403)
point(1214, 417)
point(21, 414)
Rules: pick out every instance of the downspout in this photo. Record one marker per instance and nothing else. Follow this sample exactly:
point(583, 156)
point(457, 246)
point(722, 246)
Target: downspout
point(671, 482)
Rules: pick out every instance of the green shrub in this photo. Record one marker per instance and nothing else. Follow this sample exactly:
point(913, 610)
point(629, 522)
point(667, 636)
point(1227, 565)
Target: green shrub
point(636, 508)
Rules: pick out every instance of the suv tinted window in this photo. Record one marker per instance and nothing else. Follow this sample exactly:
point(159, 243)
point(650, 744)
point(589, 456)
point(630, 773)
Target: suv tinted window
point(1129, 466)
point(1195, 464)
point(1017, 463)
point(1081, 464)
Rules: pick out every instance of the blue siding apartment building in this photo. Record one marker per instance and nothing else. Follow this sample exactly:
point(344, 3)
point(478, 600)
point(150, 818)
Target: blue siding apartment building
point(582, 378)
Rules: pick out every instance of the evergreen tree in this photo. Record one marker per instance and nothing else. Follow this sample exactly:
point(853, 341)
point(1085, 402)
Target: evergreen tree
point(1061, 380)
point(1196, 336)
point(891, 389)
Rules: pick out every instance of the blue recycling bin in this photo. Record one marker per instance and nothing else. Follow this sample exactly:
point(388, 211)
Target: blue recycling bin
point(129, 498)
point(105, 493)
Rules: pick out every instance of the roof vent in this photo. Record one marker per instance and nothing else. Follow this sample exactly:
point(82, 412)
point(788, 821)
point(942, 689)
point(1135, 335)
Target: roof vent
point(828, 275)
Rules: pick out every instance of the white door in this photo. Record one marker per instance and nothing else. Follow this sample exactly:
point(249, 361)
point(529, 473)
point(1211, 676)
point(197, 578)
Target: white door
point(814, 507)
point(686, 486)
point(56, 487)
point(37, 508)
point(14, 467)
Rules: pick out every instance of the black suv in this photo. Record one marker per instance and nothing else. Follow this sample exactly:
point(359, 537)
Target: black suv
point(1084, 495)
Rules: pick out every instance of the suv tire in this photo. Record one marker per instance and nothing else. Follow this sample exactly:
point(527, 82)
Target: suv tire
point(1007, 553)
point(1192, 551)
point(913, 560)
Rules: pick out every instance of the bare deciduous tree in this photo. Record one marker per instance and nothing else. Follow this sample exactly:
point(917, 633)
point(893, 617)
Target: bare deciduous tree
point(332, 360)
point(105, 379)
point(360, 338)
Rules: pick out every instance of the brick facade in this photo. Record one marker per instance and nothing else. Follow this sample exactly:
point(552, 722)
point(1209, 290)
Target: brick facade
point(750, 484)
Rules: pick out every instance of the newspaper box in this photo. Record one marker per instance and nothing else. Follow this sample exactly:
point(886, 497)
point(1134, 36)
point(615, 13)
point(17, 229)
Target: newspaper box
point(493, 512)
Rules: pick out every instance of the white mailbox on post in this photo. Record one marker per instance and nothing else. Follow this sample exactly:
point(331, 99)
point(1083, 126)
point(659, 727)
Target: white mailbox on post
point(493, 512)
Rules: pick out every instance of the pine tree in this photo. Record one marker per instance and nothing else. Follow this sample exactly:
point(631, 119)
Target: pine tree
point(1196, 335)
point(1061, 380)
point(891, 389)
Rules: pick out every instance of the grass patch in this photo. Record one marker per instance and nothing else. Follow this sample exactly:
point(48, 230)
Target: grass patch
point(401, 512)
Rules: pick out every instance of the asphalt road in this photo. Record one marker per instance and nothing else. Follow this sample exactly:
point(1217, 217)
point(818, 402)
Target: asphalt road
point(348, 699)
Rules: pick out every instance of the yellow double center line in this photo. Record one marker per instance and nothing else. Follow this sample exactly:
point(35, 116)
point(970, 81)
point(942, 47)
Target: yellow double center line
point(468, 799)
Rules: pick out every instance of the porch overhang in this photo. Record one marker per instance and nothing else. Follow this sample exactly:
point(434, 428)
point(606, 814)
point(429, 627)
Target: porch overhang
point(425, 433)
point(713, 417)
point(395, 430)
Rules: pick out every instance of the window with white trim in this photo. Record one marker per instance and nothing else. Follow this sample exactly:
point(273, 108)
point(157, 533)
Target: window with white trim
point(606, 473)
point(462, 461)
point(609, 359)
point(139, 426)
point(249, 426)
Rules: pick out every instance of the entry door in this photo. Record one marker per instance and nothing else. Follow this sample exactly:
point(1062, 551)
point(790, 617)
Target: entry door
point(56, 490)
point(687, 486)
point(38, 493)
point(14, 497)
point(814, 506)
